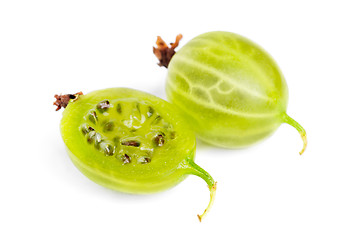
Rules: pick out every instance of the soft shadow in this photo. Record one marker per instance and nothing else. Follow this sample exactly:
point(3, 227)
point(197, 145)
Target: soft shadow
point(158, 89)
point(203, 145)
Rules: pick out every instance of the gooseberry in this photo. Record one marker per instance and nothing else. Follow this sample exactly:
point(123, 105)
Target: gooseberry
point(230, 89)
point(129, 141)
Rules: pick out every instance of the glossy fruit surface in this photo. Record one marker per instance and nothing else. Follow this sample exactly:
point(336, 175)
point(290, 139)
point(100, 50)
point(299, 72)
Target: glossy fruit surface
point(230, 89)
point(130, 141)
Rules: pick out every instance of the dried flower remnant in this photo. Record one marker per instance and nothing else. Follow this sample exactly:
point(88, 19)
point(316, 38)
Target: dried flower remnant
point(63, 100)
point(165, 53)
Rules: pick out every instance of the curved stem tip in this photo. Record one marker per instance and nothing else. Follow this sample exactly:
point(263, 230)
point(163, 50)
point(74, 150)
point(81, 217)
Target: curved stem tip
point(211, 202)
point(299, 128)
point(198, 171)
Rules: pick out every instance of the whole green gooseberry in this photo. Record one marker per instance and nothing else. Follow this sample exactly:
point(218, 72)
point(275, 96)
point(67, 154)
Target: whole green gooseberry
point(230, 89)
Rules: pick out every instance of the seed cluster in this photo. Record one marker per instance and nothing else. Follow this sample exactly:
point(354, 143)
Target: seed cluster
point(94, 137)
point(129, 131)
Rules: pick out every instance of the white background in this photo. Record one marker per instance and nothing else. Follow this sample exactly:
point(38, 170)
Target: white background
point(267, 191)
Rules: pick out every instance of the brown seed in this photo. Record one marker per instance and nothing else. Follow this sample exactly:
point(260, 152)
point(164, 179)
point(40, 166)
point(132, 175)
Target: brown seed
point(172, 135)
point(159, 140)
point(97, 139)
point(93, 117)
point(125, 159)
point(157, 119)
point(150, 111)
point(91, 136)
point(103, 105)
point(119, 108)
point(137, 107)
point(86, 129)
point(108, 150)
point(132, 143)
point(108, 127)
point(144, 160)
point(116, 140)
point(167, 125)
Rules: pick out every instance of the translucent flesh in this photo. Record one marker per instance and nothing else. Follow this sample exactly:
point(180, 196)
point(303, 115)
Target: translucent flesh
point(167, 166)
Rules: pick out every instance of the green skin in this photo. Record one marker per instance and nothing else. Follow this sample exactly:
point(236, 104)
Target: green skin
point(230, 89)
point(135, 120)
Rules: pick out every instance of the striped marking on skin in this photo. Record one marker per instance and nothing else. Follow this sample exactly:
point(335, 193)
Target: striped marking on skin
point(192, 86)
point(220, 108)
point(222, 76)
point(253, 133)
point(216, 46)
point(173, 70)
point(253, 66)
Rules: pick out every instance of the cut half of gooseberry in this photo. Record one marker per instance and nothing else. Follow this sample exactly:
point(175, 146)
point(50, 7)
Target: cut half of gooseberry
point(130, 141)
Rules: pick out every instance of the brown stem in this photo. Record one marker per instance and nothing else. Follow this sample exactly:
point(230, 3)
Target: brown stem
point(163, 52)
point(63, 100)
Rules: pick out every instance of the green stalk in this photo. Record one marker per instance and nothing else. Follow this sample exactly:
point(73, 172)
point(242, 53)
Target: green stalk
point(287, 119)
point(198, 171)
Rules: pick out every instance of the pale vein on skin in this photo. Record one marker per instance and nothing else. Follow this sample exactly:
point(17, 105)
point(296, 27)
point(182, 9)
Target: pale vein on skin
point(222, 76)
point(255, 132)
point(215, 45)
point(193, 85)
point(221, 108)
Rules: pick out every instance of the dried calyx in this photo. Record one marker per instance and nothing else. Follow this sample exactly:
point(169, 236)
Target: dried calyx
point(165, 53)
point(63, 100)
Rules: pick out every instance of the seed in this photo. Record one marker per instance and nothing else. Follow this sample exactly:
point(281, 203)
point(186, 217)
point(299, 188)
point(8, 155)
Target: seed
point(103, 105)
point(125, 159)
point(107, 148)
point(119, 108)
point(167, 125)
point(91, 136)
point(108, 127)
point(93, 117)
point(157, 119)
point(116, 140)
point(144, 160)
point(137, 107)
point(132, 143)
point(97, 139)
point(159, 140)
point(150, 111)
point(136, 114)
point(86, 129)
